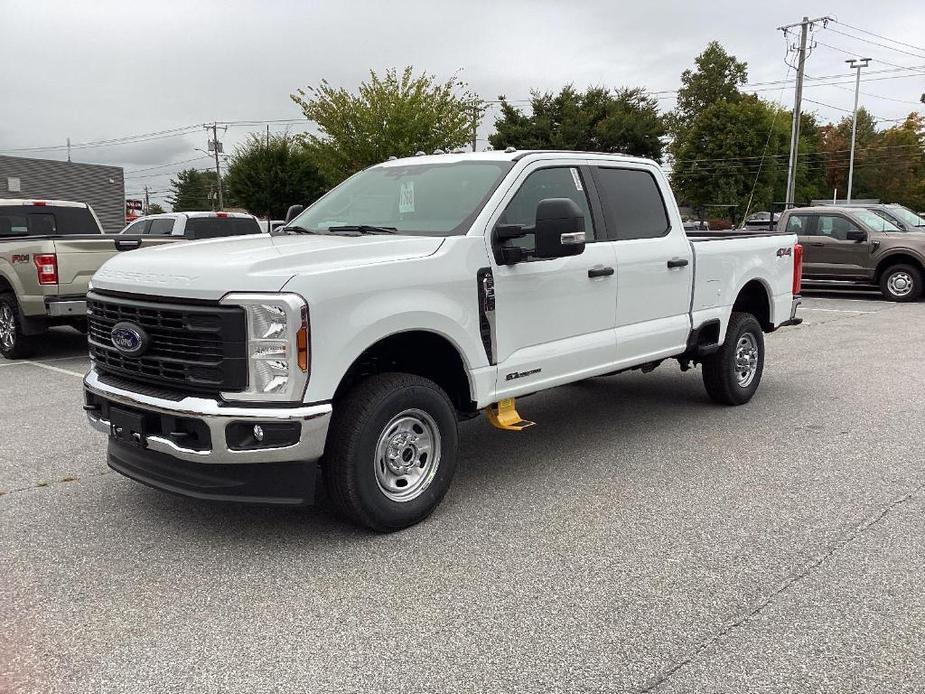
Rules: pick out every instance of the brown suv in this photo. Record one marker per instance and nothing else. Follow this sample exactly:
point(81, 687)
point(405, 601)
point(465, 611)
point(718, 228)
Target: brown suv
point(852, 245)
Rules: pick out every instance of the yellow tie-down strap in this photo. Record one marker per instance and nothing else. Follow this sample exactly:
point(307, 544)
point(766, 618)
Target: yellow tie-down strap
point(503, 415)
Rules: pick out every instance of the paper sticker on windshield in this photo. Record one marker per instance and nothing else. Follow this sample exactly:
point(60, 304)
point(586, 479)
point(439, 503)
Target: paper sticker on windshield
point(576, 178)
point(406, 198)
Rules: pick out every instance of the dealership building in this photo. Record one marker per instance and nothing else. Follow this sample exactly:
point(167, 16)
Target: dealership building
point(103, 187)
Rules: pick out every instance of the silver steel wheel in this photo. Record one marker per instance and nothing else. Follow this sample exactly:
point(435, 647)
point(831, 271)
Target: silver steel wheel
point(900, 283)
point(407, 455)
point(746, 360)
point(7, 327)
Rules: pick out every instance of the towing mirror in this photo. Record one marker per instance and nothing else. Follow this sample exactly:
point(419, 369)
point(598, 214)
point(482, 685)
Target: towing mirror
point(560, 228)
point(293, 212)
point(856, 235)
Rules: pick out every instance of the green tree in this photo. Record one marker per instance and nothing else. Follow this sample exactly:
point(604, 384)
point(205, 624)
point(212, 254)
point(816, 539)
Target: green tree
point(599, 120)
point(899, 163)
point(396, 114)
point(190, 191)
point(272, 176)
point(154, 208)
point(836, 149)
point(717, 76)
point(735, 157)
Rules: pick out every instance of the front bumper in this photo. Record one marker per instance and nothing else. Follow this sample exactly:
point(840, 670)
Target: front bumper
point(217, 417)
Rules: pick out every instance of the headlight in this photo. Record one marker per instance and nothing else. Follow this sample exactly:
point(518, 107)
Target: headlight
point(277, 346)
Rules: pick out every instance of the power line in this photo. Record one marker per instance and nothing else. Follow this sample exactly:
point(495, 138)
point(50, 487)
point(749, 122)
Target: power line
point(855, 54)
point(162, 166)
point(876, 43)
point(879, 36)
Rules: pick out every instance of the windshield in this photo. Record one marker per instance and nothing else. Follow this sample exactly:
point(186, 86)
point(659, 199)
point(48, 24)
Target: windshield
point(906, 216)
point(875, 220)
point(417, 199)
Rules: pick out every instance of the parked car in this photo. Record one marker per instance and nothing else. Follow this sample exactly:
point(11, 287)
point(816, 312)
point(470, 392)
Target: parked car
point(48, 251)
point(761, 221)
point(418, 292)
point(269, 226)
point(194, 225)
point(900, 216)
point(854, 246)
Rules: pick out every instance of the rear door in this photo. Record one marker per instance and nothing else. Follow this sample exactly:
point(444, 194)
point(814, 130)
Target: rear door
point(654, 269)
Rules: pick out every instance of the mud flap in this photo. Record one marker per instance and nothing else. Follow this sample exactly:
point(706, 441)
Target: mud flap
point(503, 415)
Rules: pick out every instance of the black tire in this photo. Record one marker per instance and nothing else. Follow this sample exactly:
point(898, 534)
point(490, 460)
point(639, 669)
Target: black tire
point(720, 375)
point(901, 276)
point(13, 344)
point(351, 464)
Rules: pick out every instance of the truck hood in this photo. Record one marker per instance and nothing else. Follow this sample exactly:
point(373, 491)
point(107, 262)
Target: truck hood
point(259, 263)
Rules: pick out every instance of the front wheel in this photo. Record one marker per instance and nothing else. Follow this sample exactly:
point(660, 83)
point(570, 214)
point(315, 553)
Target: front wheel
point(901, 283)
point(391, 451)
point(731, 375)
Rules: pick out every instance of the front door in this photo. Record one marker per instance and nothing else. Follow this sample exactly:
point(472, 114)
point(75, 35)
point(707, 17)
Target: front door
point(827, 251)
point(554, 319)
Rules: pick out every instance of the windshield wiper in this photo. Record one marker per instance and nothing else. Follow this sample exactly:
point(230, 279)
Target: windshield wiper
point(364, 229)
point(294, 227)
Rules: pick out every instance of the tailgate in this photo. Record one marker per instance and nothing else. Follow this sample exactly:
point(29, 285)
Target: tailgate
point(80, 258)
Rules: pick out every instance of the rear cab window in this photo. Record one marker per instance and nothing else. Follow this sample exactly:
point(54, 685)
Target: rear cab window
point(46, 220)
point(216, 227)
point(161, 227)
point(633, 204)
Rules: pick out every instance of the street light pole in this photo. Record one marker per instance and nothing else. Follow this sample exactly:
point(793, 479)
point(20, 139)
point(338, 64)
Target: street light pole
point(854, 65)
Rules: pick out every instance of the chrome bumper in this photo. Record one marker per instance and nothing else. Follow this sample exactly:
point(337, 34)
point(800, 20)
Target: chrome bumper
point(69, 307)
point(217, 416)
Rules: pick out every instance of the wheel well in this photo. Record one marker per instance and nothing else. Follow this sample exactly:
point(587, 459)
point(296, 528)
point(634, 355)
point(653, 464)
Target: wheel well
point(754, 299)
point(896, 259)
point(417, 352)
point(5, 286)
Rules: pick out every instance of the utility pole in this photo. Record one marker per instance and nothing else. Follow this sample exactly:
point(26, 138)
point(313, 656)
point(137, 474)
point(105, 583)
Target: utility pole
point(147, 200)
point(68, 150)
point(855, 65)
point(269, 192)
point(215, 146)
point(475, 126)
point(797, 104)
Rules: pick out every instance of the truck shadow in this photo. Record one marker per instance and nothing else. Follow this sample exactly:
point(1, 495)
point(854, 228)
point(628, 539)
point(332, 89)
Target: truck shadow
point(60, 342)
point(587, 424)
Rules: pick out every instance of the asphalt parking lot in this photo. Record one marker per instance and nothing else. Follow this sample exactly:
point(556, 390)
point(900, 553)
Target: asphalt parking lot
point(637, 539)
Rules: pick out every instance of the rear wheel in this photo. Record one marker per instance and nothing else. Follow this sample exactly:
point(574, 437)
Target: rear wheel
point(391, 451)
point(731, 375)
point(13, 343)
point(901, 283)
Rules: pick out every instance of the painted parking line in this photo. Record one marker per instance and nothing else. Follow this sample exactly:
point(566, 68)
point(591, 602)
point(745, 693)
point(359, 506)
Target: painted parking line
point(834, 310)
point(49, 367)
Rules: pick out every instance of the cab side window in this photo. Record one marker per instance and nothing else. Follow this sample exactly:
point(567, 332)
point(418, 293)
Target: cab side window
point(835, 227)
point(161, 227)
point(633, 206)
point(557, 182)
point(799, 224)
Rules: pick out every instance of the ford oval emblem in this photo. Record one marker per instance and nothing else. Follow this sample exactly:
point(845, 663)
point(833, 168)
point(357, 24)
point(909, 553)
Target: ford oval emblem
point(130, 339)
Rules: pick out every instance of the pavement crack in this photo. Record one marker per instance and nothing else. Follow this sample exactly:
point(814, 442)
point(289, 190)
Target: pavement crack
point(41, 484)
point(759, 605)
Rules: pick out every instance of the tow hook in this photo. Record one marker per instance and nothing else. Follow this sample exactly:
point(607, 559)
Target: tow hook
point(503, 415)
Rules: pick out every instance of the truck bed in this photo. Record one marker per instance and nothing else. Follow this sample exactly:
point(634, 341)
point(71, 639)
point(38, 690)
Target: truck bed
point(730, 234)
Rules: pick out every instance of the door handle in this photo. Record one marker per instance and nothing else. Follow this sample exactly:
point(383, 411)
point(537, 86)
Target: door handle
point(600, 271)
point(126, 245)
point(678, 262)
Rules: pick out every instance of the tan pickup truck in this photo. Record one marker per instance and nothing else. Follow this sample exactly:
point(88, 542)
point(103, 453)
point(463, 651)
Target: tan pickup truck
point(49, 249)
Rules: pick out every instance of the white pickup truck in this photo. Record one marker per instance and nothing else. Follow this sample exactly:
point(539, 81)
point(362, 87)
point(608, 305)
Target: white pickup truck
point(418, 292)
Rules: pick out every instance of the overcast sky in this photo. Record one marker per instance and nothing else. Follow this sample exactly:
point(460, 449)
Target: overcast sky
point(110, 69)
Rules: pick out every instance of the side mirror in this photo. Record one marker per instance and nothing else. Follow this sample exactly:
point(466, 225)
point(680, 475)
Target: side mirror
point(293, 212)
point(560, 228)
point(856, 235)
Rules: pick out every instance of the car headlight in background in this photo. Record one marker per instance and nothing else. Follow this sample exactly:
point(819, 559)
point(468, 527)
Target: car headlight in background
point(277, 346)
